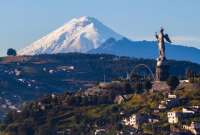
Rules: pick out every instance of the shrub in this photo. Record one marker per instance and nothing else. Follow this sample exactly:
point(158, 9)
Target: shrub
point(147, 85)
point(11, 52)
point(173, 82)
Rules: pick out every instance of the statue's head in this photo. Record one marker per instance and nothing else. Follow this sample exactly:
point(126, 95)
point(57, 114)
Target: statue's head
point(161, 29)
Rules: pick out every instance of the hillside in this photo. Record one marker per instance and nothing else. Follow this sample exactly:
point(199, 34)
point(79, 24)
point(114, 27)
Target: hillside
point(69, 72)
point(60, 114)
point(24, 78)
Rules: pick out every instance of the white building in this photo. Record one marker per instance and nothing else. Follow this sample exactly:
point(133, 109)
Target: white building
point(194, 128)
point(184, 81)
point(162, 107)
point(152, 120)
point(100, 131)
point(188, 111)
point(173, 117)
point(134, 121)
point(172, 96)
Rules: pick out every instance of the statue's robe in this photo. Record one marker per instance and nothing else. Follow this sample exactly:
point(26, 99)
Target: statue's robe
point(161, 45)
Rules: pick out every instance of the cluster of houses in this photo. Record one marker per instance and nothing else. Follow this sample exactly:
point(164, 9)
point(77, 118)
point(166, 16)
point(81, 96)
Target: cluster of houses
point(7, 104)
point(59, 69)
point(29, 82)
point(17, 72)
point(135, 120)
point(32, 83)
point(173, 117)
point(170, 102)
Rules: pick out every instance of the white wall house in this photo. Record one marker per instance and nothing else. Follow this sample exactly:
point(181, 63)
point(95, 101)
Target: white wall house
point(134, 120)
point(187, 111)
point(173, 117)
point(172, 96)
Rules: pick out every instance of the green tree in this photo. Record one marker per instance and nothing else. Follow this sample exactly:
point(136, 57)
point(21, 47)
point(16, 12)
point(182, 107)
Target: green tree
point(173, 82)
point(45, 130)
point(11, 52)
point(138, 87)
point(189, 73)
point(147, 85)
point(128, 88)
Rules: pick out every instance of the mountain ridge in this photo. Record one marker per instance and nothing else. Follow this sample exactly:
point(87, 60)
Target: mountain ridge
point(147, 49)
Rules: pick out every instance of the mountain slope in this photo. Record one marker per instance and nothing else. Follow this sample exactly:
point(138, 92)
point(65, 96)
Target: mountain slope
point(147, 49)
point(78, 35)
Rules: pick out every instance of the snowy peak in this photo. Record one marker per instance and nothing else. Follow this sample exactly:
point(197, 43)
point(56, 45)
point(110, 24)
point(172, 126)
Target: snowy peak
point(78, 35)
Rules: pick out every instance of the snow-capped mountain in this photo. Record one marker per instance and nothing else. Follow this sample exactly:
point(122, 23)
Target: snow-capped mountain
point(78, 35)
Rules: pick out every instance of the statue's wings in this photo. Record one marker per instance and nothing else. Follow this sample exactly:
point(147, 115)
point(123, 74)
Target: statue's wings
point(167, 38)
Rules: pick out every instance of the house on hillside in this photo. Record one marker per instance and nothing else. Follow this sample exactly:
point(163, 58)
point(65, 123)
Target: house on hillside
point(172, 100)
point(173, 117)
point(152, 119)
point(162, 105)
point(119, 99)
point(194, 128)
point(169, 102)
point(184, 81)
point(65, 68)
point(172, 96)
point(100, 131)
point(134, 121)
point(188, 111)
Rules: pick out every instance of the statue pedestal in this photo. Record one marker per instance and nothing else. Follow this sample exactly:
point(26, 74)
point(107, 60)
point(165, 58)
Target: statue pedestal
point(160, 86)
point(162, 70)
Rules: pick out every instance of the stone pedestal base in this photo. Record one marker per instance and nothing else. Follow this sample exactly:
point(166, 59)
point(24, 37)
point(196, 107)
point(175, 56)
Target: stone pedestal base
point(161, 87)
point(162, 72)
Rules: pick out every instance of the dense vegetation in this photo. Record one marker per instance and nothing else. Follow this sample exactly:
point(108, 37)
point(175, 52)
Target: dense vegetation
point(76, 114)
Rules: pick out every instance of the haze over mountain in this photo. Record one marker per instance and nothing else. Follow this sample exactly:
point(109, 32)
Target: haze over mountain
point(88, 35)
point(147, 49)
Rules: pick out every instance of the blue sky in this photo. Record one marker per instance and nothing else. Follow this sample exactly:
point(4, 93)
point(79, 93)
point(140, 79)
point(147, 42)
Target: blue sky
point(24, 21)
